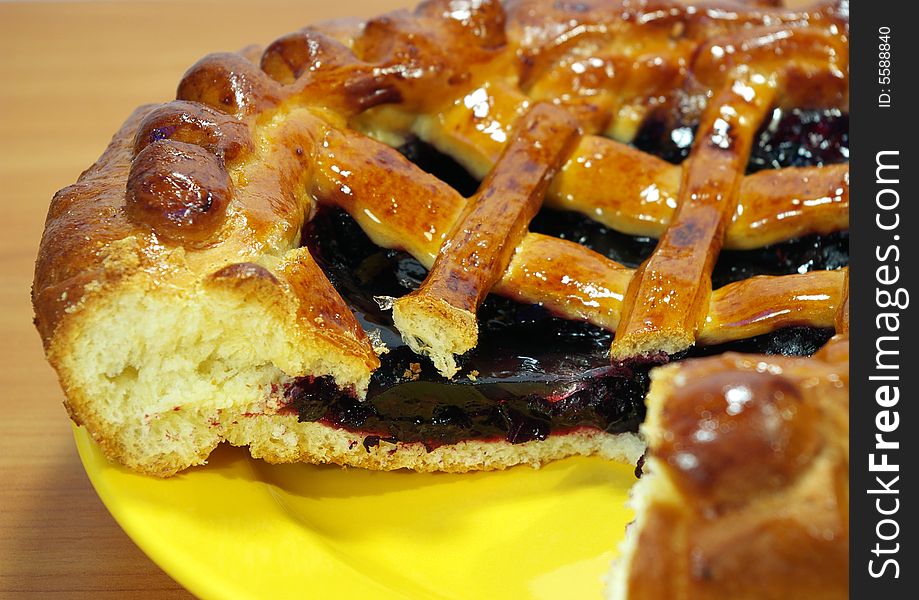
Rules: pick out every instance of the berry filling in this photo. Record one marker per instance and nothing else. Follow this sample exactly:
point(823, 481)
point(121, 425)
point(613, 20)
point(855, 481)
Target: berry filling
point(787, 138)
point(534, 374)
point(531, 373)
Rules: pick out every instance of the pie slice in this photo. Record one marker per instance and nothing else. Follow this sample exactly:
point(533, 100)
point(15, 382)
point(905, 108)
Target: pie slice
point(746, 486)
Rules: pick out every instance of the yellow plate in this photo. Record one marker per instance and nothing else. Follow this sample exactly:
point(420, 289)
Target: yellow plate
point(241, 528)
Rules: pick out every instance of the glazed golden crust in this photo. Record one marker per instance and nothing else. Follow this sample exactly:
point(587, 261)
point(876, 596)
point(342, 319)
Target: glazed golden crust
point(95, 242)
point(762, 304)
point(82, 219)
point(745, 493)
point(190, 222)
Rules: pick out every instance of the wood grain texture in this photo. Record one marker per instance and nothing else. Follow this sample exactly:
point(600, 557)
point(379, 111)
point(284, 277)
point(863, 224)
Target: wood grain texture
point(71, 73)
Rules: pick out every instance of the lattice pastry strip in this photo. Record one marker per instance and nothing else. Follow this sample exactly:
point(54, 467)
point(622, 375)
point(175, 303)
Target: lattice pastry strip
point(667, 298)
point(565, 277)
point(607, 69)
point(439, 319)
point(763, 304)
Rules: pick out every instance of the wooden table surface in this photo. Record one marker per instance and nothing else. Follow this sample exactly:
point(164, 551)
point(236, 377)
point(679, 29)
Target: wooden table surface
point(69, 74)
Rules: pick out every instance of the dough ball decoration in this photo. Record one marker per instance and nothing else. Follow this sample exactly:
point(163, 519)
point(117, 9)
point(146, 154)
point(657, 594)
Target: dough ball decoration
point(180, 190)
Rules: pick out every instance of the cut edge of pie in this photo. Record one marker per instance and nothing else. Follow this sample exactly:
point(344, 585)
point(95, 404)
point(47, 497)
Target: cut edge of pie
point(745, 481)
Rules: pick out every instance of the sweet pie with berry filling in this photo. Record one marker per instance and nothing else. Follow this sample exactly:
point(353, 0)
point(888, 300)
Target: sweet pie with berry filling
point(471, 236)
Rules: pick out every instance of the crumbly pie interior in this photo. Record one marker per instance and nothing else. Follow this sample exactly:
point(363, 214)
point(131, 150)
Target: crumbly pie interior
point(467, 237)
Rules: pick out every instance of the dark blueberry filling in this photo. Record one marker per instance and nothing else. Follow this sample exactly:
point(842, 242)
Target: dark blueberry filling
point(441, 165)
point(672, 144)
point(801, 138)
point(533, 374)
point(624, 249)
point(808, 253)
point(790, 341)
point(787, 138)
point(436, 412)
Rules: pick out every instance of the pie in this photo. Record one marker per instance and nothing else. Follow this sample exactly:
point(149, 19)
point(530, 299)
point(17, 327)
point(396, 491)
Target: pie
point(471, 236)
